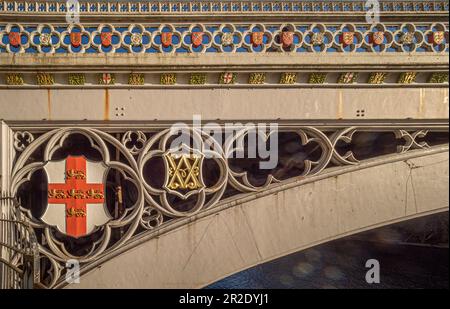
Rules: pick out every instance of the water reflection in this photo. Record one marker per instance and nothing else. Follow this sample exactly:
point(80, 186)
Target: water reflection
point(412, 254)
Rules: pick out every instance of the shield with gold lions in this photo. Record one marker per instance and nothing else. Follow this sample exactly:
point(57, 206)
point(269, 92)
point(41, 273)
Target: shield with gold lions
point(257, 38)
point(347, 37)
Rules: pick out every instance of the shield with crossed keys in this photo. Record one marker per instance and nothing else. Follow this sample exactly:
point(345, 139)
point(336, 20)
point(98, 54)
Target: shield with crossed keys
point(183, 171)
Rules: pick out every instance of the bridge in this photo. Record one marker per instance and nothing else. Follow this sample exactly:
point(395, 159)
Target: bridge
point(300, 122)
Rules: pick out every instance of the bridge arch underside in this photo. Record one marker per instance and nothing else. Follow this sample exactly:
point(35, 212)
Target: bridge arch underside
point(289, 217)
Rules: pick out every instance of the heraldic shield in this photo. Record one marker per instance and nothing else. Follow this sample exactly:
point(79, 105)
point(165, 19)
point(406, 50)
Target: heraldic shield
point(76, 196)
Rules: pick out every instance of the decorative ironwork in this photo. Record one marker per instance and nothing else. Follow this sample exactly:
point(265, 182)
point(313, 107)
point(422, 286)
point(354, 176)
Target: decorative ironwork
point(22, 139)
point(150, 203)
point(184, 168)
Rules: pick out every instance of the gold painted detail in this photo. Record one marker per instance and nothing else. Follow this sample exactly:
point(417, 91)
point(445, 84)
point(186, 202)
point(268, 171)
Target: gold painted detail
point(438, 78)
point(136, 79)
point(197, 79)
point(288, 78)
point(257, 78)
point(46, 39)
point(317, 78)
point(57, 194)
point(227, 78)
point(376, 78)
point(348, 78)
point(75, 174)
point(184, 171)
point(75, 212)
point(45, 79)
point(106, 79)
point(318, 38)
point(227, 38)
point(168, 79)
point(77, 79)
point(408, 38)
point(75, 194)
point(14, 79)
point(407, 78)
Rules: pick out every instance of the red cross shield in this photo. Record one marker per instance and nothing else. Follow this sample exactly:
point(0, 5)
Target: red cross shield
point(377, 37)
point(106, 38)
point(76, 196)
point(166, 39)
point(14, 38)
point(287, 38)
point(197, 38)
point(75, 39)
point(257, 38)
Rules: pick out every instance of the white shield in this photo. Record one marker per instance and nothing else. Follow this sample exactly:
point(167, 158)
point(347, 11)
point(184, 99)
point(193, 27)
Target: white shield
point(76, 195)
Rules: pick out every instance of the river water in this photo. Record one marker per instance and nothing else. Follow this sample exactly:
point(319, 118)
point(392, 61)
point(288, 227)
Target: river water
point(421, 262)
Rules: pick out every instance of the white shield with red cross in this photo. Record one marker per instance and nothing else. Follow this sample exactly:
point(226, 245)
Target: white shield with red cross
point(76, 196)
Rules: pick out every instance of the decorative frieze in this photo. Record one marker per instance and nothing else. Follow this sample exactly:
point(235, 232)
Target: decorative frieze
point(214, 79)
point(223, 38)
